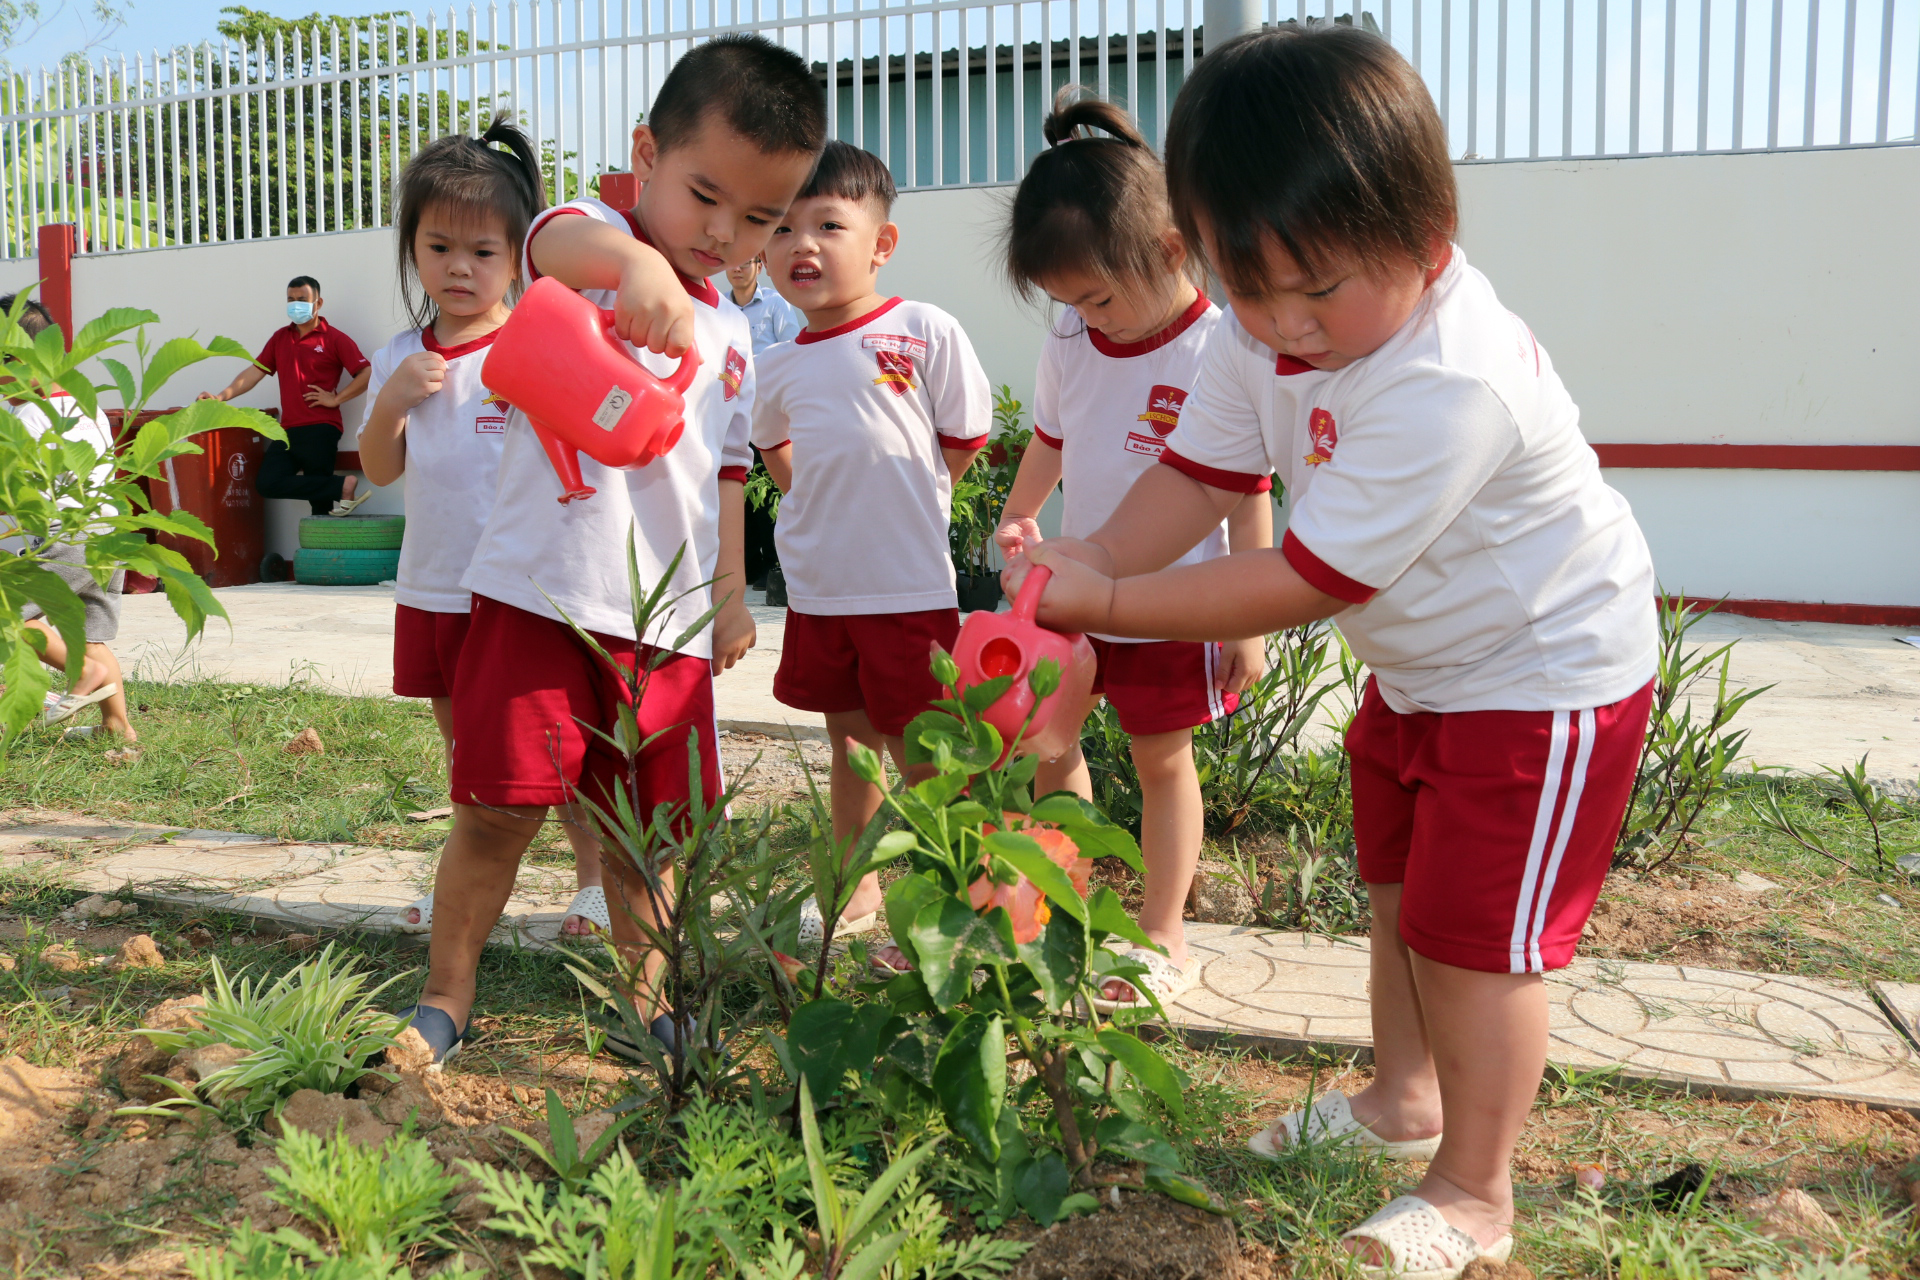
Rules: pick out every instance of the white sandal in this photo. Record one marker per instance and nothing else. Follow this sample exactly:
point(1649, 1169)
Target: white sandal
point(590, 904)
point(1422, 1245)
point(1331, 1119)
point(425, 907)
point(1163, 977)
point(347, 506)
point(813, 927)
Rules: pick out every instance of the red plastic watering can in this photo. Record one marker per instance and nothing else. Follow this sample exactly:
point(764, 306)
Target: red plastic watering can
point(1013, 644)
point(558, 360)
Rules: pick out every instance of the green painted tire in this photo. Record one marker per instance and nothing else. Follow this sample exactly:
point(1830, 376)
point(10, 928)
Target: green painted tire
point(360, 533)
point(346, 567)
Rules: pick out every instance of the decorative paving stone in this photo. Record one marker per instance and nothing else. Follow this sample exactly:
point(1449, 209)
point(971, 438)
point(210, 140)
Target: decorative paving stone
point(1278, 990)
point(1902, 1000)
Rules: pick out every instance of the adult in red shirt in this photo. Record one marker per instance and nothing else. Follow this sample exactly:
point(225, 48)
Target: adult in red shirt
point(309, 356)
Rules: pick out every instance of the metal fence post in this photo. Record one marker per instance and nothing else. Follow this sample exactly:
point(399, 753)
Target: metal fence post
point(1226, 19)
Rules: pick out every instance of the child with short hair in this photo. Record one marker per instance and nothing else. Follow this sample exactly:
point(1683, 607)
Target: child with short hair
point(732, 135)
point(462, 210)
point(1445, 509)
point(1091, 229)
point(866, 421)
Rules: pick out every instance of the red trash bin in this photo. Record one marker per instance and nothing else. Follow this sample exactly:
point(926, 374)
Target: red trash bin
point(220, 485)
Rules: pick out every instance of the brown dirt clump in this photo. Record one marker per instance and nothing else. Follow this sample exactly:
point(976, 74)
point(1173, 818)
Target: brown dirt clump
point(1488, 1269)
point(1149, 1237)
point(1683, 918)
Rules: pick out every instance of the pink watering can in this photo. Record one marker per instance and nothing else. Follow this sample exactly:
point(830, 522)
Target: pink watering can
point(558, 361)
point(1013, 644)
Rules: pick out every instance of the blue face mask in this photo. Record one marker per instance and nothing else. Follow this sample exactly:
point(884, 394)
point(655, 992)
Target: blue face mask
point(299, 312)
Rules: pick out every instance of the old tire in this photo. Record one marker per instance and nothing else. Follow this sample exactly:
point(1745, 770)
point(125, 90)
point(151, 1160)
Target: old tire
point(359, 533)
point(345, 567)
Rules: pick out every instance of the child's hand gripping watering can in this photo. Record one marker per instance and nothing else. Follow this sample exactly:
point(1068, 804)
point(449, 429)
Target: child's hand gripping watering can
point(1013, 644)
point(558, 360)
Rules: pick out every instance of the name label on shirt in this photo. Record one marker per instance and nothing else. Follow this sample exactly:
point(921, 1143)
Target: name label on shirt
point(915, 348)
point(488, 424)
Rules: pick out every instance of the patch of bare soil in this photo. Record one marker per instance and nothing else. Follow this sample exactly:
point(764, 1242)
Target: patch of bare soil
point(1693, 917)
point(768, 769)
point(1146, 1237)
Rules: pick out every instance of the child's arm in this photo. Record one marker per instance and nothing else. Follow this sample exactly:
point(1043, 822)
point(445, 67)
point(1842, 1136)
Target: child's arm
point(1249, 528)
point(383, 436)
point(1033, 484)
point(733, 629)
point(779, 464)
point(1232, 598)
point(652, 309)
point(958, 460)
point(1164, 515)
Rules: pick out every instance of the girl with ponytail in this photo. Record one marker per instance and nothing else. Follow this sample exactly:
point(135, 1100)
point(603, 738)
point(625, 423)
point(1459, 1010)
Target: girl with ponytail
point(1091, 230)
point(462, 209)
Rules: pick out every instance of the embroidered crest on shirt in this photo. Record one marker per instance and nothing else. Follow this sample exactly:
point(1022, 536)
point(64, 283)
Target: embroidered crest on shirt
point(732, 372)
point(490, 423)
point(896, 370)
point(1162, 416)
point(900, 342)
point(1325, 436)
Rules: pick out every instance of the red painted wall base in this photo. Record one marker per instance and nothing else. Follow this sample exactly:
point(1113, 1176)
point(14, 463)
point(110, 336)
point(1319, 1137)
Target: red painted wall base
point(1861, 615)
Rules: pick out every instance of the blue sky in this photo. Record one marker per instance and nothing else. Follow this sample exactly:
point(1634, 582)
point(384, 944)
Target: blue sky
point(150, 24)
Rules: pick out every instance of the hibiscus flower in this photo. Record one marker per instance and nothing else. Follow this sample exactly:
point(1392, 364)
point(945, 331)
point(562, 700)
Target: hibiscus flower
point(1027, 906)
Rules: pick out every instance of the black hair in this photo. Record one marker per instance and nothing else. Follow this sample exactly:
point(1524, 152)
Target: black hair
point(34, 318)
point(851, 173)
point(763, 92)
point(305, 282)
point(471, 178)
point(1321, 137)
point(1089, 203)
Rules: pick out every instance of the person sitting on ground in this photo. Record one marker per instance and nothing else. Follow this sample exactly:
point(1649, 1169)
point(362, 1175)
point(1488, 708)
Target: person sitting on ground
point(308, 356)
point(100, 682)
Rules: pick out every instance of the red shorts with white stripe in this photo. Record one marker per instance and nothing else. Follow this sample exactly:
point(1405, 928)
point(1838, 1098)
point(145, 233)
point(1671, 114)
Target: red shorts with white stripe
point(526, 684)
point(1162, 685)
point(872, 662)
point(426, 651)
point(1498, 825)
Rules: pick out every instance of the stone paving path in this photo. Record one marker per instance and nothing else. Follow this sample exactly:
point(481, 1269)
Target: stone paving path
point(1735, 1034)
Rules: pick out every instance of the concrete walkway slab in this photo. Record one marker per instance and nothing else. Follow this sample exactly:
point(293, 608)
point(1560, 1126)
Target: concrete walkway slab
point(1839, 691)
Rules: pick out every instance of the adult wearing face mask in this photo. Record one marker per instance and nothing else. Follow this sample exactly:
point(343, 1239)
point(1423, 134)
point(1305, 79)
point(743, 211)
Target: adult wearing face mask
point(308, 356)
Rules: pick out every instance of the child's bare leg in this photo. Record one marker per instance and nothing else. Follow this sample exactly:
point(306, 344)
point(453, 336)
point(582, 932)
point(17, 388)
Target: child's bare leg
point(630, 904)
point(443, 716)
point(856, 800)
point(113, 710)
point(1403, 1102)
point(472, 886)
point(1171, 819)
point(587, 868)
point(1068, 772)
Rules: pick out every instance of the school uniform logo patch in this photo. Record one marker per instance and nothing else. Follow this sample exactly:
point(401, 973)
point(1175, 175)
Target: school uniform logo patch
point(900, 342)
point(492, 418)
point(732, 372)
point(896, 371)
point(1326, 435)
point(1162, 416)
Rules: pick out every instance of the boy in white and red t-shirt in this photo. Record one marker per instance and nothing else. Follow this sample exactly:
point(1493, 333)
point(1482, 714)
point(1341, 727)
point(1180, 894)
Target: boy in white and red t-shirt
point(730, 139)
point(865, 421)
point(1445, 510)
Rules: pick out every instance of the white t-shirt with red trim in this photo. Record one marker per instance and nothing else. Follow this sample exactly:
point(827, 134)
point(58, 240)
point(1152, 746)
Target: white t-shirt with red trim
point(453, 441)
point(533, 547)
point(868, 406)
point(1442, 486)
point(1109, 408)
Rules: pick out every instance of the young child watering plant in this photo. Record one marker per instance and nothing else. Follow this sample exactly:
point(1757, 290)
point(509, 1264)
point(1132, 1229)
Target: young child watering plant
point(462, 213)
point(1446, 511)
point(866, 421)
point(731, 137)
point(1091, 229)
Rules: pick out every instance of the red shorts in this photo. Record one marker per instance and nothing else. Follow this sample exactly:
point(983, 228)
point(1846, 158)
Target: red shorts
point(426, 651)
point(526, 684)
point(876, 662)
point(1162, 685)
point(1499, 825)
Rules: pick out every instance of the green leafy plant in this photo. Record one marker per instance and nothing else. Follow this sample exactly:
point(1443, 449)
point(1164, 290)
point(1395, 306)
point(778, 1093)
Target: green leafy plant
point(1006, 948)
point(562, 1152)
point(1683, 765)
point(314, 1027)
point(366, 1200)
point(50, 494)
point(980, 495)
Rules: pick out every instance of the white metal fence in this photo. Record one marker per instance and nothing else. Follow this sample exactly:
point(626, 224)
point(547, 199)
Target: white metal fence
point(307, 134)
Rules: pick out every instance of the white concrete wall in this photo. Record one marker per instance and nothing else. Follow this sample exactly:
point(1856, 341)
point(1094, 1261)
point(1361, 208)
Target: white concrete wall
point(1750, 299)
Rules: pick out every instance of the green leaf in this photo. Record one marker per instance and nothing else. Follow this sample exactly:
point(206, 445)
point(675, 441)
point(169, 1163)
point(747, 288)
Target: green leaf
point(1106, 914)
point(201, 416)
point(951, 941)
point(1056, 959)
point(1153, 1071)
point(122, 381)
point(1132, 1140)
point(1040, 1183)
point(1178, 1186)
point(27, 684)
point(978, 697)
point(190, 597)
point(1025, 853)
point(1089, 828)
point(970, 1079)
point(905, 898)
point(916, 1050)
point(110, 324)
point(174, 355)
point(827, 1038)
point(870, 1261)
point(826, 1196)
point(63, 608)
